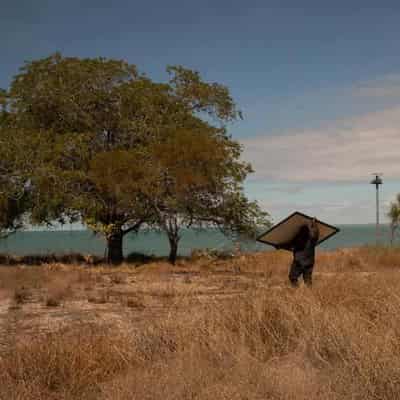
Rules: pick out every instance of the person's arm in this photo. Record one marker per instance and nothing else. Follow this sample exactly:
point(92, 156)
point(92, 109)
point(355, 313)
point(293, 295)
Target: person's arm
point(285, 246)
point(314, 231)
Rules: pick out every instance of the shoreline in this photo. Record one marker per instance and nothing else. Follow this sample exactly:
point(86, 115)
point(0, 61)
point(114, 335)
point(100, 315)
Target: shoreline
point(153, 243)
point(138, 259)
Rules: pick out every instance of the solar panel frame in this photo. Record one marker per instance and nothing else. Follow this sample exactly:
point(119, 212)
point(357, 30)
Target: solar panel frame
point(335, 230)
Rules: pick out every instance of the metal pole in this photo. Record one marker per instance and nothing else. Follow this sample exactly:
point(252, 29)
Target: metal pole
point(377, 214)
point(377, 181)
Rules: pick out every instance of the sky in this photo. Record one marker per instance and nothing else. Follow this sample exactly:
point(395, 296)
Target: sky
point(318, 82)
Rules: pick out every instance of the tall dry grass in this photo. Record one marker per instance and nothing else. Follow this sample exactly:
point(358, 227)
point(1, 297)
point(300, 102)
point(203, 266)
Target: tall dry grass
point(283, 344)
point(340, 340)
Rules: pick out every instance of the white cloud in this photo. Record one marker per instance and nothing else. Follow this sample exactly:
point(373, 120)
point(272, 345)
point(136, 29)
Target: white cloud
point(387, 86)
point(288, 189)
point(316, 170)
point(348, 150)
point(335, 211)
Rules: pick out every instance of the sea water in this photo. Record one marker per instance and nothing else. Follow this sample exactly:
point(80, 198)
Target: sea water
point(156, 243)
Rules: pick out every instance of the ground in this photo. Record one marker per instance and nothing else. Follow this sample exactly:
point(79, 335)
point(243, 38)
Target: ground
point(206, 328)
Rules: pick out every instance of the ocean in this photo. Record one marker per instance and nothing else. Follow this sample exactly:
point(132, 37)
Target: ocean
point(155, 243)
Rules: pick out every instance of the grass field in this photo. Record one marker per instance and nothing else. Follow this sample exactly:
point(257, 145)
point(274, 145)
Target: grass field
point(203, 329)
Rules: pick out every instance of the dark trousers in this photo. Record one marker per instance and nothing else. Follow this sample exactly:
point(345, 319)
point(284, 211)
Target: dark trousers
point(296, 270)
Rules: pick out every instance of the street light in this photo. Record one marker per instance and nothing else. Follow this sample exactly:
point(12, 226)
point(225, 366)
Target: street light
point(377, 181)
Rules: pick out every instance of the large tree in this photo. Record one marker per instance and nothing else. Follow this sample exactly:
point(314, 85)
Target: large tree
point(100, 121)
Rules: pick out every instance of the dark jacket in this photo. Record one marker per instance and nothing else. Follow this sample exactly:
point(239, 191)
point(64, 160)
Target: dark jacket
point(303, 245)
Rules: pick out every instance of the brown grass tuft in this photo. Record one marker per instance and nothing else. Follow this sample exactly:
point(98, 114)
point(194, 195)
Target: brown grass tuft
point(71, 365)
point(22, 295)
point(101, 297)
point(135, 302)
point(117, 278)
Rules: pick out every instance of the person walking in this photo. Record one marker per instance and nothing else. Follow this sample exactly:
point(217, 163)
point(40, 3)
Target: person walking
point(303, 248)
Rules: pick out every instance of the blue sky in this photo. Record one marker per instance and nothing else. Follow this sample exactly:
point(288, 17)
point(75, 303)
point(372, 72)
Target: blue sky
point(319, 82)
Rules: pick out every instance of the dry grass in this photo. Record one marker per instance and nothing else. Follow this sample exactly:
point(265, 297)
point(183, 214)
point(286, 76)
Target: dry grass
point(216, 329)
point(101, 297)
point(21, 295)
point(67, 365)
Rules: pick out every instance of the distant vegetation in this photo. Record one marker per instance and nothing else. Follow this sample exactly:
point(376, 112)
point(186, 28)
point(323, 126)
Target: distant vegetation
point(97, 141)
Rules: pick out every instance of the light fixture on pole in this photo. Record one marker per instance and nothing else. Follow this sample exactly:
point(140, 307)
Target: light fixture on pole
point(377, 181)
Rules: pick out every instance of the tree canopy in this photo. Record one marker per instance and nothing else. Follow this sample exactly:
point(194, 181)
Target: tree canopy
point(14, 181)
point(198, 184)
point(118, 151)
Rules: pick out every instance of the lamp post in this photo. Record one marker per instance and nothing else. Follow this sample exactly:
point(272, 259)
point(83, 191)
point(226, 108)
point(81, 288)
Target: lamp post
point(377, 181)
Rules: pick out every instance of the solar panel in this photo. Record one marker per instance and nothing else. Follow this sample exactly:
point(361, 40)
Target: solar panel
point(287, 229)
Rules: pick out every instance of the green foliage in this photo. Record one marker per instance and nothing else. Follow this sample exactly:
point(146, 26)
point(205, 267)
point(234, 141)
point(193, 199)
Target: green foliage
point(69, 94)
point(199, 185)
point(213, 99)
point(3, 100)
point(4, 114)
point(116, 150)
point(14, 198)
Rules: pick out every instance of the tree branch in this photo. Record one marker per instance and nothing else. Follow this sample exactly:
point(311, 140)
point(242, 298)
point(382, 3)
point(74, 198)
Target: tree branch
point(133, 227)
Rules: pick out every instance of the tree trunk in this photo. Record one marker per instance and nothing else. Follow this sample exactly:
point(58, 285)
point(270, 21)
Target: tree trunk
point(114, 248)
point(173, 249)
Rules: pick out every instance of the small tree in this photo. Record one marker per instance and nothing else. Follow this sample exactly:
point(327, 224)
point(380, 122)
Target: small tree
point(394, 215)
point(198, 184)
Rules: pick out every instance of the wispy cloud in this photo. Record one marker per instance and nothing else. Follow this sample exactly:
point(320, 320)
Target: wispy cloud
point(288, 189)
point(337, 212)
point(341, 209)
point(387, 86)
point(324, 169)
point(348, 150)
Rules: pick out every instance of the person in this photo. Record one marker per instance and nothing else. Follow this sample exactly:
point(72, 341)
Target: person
point(303, 247)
